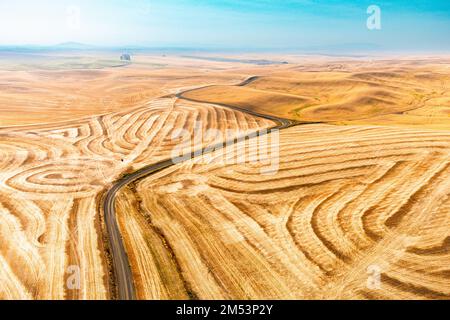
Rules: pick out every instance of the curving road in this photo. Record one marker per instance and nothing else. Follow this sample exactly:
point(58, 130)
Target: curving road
point(121, 266)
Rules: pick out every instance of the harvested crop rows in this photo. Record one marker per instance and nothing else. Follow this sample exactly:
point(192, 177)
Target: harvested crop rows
point(353, 212)
point(411, 96)
point(358, 208)
point(51, 181)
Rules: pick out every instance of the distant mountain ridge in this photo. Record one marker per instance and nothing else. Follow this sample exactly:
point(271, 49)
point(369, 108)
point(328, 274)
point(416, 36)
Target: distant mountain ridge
point(74, 45)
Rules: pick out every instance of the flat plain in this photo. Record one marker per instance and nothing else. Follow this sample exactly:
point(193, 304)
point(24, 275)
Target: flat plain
point(358, 208)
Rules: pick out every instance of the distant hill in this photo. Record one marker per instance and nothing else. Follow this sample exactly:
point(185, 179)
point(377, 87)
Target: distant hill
point(73, 46)
point(66, 46)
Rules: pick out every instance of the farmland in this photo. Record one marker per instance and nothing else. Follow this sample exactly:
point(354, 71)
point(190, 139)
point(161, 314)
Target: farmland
point(360, 183)
point(355, 199)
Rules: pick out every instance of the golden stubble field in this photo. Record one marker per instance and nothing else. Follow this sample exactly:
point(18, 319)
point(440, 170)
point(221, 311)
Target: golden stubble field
point(365, 191)
point(410, 93)
point(349, 205)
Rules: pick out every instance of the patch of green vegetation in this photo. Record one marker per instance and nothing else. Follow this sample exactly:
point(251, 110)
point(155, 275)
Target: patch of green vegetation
point(150, 64)
point(418, 95)
point(62, 63)
point(296, 112)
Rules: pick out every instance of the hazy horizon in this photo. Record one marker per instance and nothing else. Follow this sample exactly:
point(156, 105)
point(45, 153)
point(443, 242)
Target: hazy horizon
point(330, 26)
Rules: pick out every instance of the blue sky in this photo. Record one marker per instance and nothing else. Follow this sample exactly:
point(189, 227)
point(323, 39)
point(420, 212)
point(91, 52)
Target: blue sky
point(405, 25)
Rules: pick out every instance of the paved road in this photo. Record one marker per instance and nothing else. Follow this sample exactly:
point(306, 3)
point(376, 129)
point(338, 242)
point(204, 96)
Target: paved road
point(282, 122)
point(121, 264)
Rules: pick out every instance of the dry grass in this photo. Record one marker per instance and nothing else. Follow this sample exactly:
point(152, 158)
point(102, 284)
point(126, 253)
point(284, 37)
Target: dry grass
point(49, 96)
point(345, 199)
point(410, 95)
point(53, 171)
point(52, 177)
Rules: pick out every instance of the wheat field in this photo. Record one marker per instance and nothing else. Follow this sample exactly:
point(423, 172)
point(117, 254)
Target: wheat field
point(345, 201)
point(355, 205)
point(410, 93)
point(52, 180)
